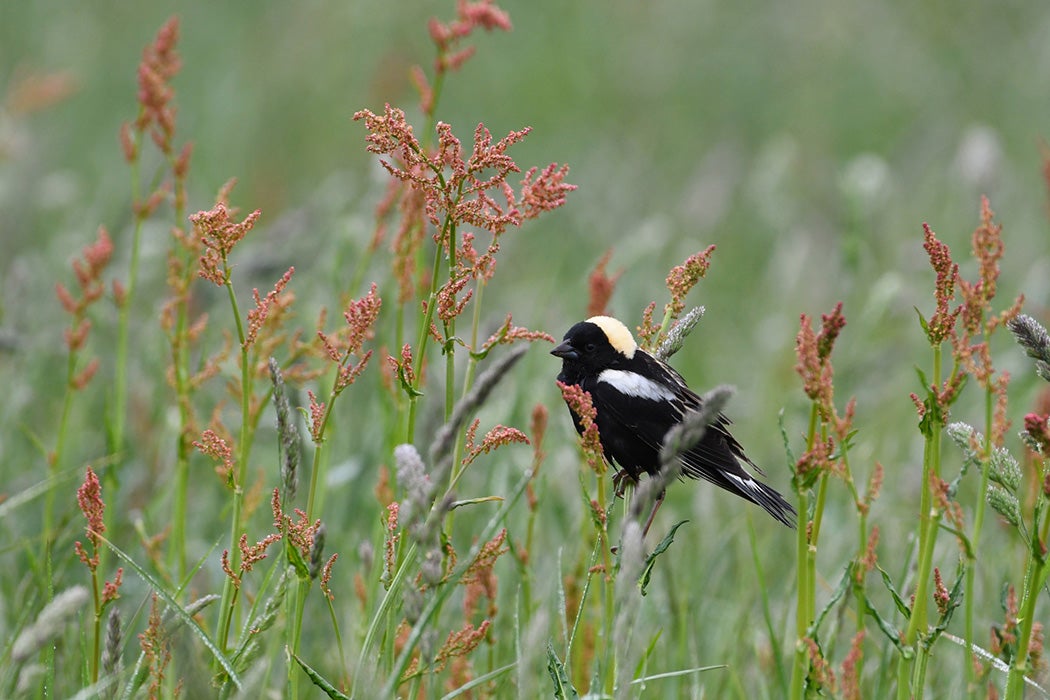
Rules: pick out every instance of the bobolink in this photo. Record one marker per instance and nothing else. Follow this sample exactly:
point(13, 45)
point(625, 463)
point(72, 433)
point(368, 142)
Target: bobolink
point(638, 398)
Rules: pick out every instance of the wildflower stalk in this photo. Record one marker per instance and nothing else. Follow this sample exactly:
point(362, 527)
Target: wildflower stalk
point(805, 591)
point(60, 447)
point(975, 539)
point(1035, 579)
point(913, 663)
point(608, 588)
point(442, 592)
point(423, 341)
point(120, 377)
point(179, 340)
point(814, 469)
point(450, 338)
point(229, 591)
point(320, 456)
point(1036, 342)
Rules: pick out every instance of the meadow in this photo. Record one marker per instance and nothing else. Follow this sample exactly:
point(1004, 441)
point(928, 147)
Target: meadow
point(277, 298)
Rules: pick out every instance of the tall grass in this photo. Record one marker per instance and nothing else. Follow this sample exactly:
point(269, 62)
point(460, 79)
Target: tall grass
point(318, 501)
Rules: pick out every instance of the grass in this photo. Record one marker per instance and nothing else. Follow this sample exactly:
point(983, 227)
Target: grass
point(358, 516)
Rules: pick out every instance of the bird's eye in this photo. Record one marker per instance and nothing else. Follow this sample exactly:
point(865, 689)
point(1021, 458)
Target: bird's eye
point(590, 347)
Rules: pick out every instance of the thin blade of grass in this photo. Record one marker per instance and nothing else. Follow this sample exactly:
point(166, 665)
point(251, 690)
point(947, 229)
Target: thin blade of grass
point(179, 611)
point(767, 613)
point(484, 678)
point(444, 591)
point(318, 680)
point(676, 674)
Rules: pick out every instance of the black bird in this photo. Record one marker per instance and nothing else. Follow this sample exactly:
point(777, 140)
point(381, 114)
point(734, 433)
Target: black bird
point(638, 398)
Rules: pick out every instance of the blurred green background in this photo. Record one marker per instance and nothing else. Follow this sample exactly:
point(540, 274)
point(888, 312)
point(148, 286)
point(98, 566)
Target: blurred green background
point(807, 140)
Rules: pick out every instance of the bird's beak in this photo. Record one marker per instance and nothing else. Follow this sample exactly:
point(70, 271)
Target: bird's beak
point(566, 352)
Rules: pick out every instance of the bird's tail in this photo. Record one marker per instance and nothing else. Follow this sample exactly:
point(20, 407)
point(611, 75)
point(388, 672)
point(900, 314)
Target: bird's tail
point(770, 499)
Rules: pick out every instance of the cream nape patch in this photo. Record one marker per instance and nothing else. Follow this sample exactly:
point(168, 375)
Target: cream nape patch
point(619, 335)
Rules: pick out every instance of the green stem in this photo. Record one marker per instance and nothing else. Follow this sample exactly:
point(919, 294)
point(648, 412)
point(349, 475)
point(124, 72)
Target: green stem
point(421, 344)
point(318, 462)
point(1035, 578)
point(298, 603)
point(56, 459)
point(975, 538)
point(97, 651)
point(435, 96)
point(120, 380)
point(450, 332)
point(390, 596)
point(229, 596)
point(804, 588)
point(608, 591)
point(908, 674)
point(180, 369)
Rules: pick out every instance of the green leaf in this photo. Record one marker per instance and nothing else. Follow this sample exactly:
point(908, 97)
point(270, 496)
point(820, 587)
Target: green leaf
point(922, 321)
point(319, 680)
point(787, 442)
point(891, 632)
point(640, 668)
point(295, 558)
point(963, 538)
point(650, 560)
point(473, 501)
point(562, 686)
point(844, 585)
point(406, 386)
point(922, 379)
point(898, 601)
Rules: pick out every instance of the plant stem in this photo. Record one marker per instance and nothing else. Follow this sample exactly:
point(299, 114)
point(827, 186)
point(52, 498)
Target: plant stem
point(229, 595)
point(97, 650)
point(929, 518)
point(1034, 580)
point(975, 539)
point(421, 344)
point(804, 591)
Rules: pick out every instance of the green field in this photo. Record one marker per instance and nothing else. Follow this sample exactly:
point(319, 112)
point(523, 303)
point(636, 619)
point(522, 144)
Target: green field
point(808, 142)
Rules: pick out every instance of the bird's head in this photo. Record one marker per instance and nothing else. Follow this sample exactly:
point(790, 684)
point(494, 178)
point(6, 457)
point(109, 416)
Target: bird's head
point(600, 342)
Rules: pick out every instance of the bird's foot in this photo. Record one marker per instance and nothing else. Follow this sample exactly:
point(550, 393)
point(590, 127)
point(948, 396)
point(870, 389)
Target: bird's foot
point(621, 480)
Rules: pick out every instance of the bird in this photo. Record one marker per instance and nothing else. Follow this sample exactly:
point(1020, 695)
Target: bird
point(637, 398)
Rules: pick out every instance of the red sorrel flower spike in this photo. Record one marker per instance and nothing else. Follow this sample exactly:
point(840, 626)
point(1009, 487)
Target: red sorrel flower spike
point(1038, 428)
point(160, 63)
point(942, 325)
point(684, 277)
point(219, 234)
point(830, 327)
point(257, 316)
point(326, 576)
point(446, 37)
point(601, 286)
point(582, 406)
point(89, 498)
point(545, 191)
point(211, 445)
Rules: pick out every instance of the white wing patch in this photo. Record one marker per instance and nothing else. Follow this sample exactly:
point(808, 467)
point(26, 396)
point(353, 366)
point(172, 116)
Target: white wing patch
point(634, 384)
point(748, 483)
